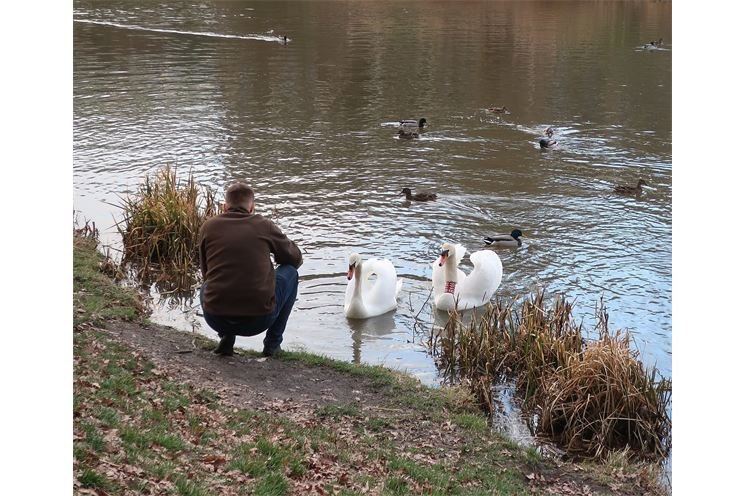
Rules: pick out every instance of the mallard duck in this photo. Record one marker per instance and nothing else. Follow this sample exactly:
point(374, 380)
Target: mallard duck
point(505, 240)
point(418, 196)
point(413, 123)
point(547, 142)
point(410, 128)
point(630, 190)
point(654, 44)
point(499, 110)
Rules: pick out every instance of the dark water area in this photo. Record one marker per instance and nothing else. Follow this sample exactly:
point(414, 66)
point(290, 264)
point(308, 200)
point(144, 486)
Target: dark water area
point(311, 124)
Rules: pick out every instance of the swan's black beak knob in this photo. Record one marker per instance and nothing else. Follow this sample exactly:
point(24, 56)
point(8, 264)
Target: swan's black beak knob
point(443, 256)
point(350, 272)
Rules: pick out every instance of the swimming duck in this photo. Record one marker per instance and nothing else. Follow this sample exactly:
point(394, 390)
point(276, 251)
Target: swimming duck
point(410, 128)
point(547, 142)
point(630, 190)
point(654, 44)
point(511, 240)
point(418, 196)
point(499, 110)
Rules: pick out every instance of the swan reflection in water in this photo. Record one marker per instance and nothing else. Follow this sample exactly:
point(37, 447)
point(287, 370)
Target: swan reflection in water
point(370, 330)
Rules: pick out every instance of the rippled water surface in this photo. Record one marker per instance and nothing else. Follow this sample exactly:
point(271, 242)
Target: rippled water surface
point(311, 124)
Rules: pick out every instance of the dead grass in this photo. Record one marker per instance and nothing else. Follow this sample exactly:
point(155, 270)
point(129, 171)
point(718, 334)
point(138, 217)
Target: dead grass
point(590, 397)
point(160, 229)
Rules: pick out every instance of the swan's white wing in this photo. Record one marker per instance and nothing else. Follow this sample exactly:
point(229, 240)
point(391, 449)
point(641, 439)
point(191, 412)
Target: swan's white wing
point(460, 252)
point(481, 284)
point(379, 296)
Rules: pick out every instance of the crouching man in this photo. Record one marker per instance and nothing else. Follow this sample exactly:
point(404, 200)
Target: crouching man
point(243, 294)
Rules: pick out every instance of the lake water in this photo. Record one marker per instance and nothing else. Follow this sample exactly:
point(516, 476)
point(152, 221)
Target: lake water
point(311, 124)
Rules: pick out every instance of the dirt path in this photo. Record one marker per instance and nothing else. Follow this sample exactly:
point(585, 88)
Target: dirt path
point(246, 382)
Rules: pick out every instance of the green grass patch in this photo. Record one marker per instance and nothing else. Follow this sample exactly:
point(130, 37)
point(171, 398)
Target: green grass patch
point(95, 297)
point(273, 484)
point(169, 441)
point(339, 410)
point(377, 424)
point(91, 478)
point(265, 457)
point(471, 422)
point(161, 469)
point(93, 437)
point(108, 416)
point(532, 456)
point(134, 436)
point(186, 487)
point(396, 486)
point(436, 475)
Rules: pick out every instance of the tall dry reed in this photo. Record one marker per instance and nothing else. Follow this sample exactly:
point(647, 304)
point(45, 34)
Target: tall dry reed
point(160, 228)
point(590, 397)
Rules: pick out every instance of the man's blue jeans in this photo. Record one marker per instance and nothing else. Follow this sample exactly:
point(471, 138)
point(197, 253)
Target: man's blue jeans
point(274, 324)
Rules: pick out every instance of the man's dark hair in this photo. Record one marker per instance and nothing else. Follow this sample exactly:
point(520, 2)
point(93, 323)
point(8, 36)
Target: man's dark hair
point(239, 194)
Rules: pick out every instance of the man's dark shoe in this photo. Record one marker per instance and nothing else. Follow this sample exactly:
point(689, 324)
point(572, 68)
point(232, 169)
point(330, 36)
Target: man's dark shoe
point(271, 352)
point(225, 348)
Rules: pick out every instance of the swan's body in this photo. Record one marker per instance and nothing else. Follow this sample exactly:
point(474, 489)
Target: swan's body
point(410, 128)
point(548, 142)
point(365, 298)
point(511, 240)
point(418, 196)
point(451, 286)
point(630, 190)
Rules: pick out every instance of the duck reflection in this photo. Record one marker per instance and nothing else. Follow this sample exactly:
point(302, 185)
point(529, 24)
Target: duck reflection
point(369, 330)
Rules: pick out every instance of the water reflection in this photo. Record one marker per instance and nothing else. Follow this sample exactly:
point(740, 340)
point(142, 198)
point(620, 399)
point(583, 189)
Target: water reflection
point(312, 126)
point(369, 329)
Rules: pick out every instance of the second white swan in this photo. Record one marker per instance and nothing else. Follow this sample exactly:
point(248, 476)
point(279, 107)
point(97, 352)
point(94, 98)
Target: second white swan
point(453, 289)
point(365, 298)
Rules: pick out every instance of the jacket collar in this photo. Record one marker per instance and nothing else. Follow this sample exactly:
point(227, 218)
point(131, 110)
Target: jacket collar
point(237, 210)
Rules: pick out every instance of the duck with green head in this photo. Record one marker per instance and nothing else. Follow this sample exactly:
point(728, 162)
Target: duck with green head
point(511, 240)
point(410, 128)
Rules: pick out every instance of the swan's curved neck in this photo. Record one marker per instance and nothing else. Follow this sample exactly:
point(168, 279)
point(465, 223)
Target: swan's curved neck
point(357, 294)
point(451, 275)
point(356, 307)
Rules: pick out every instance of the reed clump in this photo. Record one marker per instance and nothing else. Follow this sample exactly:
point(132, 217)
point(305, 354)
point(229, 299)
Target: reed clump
point(590, 397)
point(160, 228)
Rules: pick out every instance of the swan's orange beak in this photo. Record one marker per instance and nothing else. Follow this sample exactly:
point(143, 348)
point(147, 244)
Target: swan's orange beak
point(350, 272)
point(444, 256)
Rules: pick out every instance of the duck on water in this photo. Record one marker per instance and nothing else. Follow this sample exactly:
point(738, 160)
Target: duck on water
point(418, 196)
point(410, 128)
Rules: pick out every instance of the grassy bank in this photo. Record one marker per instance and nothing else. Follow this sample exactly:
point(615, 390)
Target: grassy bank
point(137, 430)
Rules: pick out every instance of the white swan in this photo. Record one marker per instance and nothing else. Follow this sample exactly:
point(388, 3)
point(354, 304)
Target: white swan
point(451, 285)
point(365, 298)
